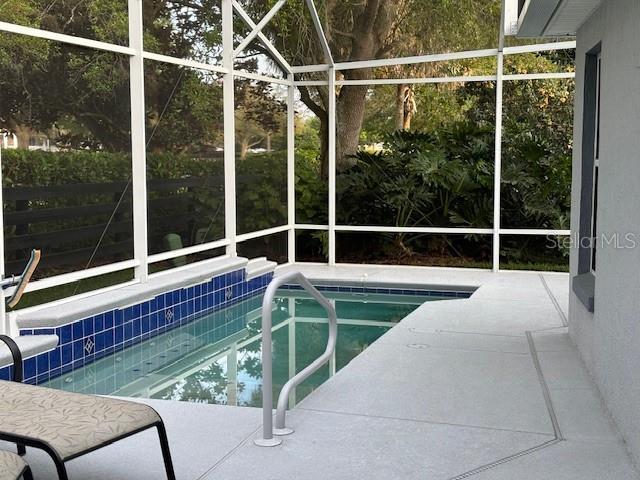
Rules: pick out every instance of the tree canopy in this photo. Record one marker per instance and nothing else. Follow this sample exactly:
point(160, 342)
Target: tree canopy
point(434, 141)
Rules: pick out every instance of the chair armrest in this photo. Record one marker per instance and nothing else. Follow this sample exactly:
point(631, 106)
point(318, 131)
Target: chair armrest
point(17, 357)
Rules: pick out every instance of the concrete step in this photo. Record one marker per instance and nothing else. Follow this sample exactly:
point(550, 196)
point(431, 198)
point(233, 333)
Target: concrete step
point(30, 346)
point(259, 266)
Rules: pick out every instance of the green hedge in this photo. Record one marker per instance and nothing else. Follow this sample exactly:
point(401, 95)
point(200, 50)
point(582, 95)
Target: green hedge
point(261, 192)
point(446, 174)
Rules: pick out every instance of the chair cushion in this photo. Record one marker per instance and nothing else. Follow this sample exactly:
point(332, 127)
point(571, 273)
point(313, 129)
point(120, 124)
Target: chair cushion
point(70, 423)
point(11, 466)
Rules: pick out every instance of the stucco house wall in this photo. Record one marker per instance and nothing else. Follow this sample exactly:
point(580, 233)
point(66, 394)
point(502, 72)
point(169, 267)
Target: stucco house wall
point(609, 338)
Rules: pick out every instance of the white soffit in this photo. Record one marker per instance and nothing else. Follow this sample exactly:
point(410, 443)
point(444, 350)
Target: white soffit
point(540, 18)
point(570, 15)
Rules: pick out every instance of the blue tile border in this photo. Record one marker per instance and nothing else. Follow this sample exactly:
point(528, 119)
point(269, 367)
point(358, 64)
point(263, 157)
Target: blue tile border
point(143, 358)
point(387, 291)
point(89, 339)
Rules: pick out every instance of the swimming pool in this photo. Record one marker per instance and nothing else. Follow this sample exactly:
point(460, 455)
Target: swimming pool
point(217, 358)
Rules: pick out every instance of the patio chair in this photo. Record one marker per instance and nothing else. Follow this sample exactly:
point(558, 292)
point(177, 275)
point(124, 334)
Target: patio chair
point(68, 425)
point(12, 467)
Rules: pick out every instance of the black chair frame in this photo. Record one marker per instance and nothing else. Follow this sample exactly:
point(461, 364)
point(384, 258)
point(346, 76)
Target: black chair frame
point(22, 441)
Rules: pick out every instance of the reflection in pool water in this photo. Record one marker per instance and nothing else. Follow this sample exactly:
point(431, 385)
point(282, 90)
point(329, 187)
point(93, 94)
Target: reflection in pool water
point(217, 358)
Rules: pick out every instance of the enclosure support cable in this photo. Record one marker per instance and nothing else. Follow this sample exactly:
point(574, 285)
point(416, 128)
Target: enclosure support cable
point(126, 187)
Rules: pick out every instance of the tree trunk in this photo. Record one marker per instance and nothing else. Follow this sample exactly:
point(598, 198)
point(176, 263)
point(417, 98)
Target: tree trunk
point(349, 117)
point(350, 106)
point(400, 106)
point(372, 24)
point(405, 106)
point(324, 146)
point(403, 250)
point(244, 148)
point(409, 107)
point(268, 141)
point(23, 134)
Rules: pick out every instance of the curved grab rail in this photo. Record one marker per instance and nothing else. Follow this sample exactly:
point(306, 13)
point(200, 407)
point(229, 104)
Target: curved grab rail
point(21, 281)
point(267, 367)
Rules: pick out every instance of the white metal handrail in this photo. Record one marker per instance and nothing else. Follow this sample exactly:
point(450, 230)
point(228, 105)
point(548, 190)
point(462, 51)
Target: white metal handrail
point(268, 432)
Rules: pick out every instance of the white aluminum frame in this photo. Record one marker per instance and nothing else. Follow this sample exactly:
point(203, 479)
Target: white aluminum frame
point(540, 47)
point(64, 38)
point(138, 142)
point(261, 78)
point(73, 277)
point(437, 57)
point(183, 62)
point(458, 79)
point(317, 23)
point(257, 29)
point(262, 233)
point(297, 69)
point(202, 247)
point(382, 229)
point(229, 129)
point(137, 55)
point(497, 163)
point(332, 165)
point(265, 41)
point(291, 165)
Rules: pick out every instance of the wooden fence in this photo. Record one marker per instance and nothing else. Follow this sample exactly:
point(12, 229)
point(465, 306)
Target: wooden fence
point(66, 221)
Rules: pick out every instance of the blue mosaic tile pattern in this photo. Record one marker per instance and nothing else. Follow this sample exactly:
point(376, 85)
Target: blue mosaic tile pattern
point(106, 375)
point(87, 340)
point(386, 291)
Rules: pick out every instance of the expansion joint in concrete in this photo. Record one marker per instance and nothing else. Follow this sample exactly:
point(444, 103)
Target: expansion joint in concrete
point(554, 300)
point(557, 433)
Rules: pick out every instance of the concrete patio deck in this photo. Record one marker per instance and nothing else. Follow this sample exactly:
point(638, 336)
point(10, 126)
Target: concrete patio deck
point(488, 387)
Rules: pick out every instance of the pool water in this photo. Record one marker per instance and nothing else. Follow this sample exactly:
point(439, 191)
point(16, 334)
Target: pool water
point(217, 358)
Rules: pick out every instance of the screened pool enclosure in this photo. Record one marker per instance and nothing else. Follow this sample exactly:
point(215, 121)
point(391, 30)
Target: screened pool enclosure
point(143, 136)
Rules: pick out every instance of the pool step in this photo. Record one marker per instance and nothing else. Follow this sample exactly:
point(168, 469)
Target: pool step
point(30, 346)
point(259, 266)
